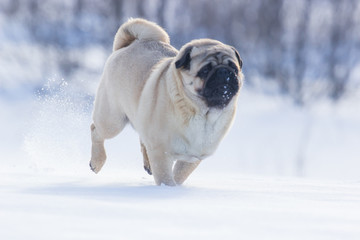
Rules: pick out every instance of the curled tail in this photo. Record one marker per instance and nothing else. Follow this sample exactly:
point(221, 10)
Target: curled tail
point(138, 29)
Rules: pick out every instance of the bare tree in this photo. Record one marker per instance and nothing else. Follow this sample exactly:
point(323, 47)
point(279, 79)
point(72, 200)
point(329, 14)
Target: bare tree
point(10, 7)
point(140, 8)
point(161, 12)
point(340, 46)
point(117, 5)
point(270, 33)
point(300, 61)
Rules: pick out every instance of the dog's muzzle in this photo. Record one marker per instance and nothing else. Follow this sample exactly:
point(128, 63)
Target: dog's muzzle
point(220, 87)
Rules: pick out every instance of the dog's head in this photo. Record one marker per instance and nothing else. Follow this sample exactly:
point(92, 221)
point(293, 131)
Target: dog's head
point(211, 71)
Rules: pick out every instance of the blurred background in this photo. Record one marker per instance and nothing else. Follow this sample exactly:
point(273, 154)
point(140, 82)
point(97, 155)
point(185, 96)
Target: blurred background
point(299, 110)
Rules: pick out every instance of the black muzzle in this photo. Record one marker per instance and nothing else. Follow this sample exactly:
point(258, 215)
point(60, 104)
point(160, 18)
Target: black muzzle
point(220, 87)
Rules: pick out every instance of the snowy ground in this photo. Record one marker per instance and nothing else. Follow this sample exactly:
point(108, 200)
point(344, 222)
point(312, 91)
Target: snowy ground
point(216, 206)
point(252, 188)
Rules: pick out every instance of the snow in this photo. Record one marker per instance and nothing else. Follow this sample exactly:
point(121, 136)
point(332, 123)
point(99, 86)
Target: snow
point(252, 188)
point(209, 206)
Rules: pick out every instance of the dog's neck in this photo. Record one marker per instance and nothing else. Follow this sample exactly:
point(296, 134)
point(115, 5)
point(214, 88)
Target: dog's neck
point(183, 104)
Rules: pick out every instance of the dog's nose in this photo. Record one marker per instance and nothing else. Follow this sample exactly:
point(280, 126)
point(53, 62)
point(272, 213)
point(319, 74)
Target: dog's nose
point(222, 73)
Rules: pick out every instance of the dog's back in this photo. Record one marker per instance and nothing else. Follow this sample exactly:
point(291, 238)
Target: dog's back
point(138, 46)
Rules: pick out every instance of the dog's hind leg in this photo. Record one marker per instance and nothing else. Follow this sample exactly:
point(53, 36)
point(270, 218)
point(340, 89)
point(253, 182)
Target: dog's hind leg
point(182, 170)
point(98, 154)
point(147, 166)
point(109, 121)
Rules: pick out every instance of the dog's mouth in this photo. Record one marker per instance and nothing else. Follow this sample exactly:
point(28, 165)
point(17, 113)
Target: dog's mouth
point(220, 87)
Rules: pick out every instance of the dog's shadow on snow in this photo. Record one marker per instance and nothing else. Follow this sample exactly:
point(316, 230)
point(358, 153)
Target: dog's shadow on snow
point(115, 191)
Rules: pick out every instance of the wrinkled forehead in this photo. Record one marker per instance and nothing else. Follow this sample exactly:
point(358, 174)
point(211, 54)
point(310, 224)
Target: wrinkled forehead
point(215, 54)
point(203, 53)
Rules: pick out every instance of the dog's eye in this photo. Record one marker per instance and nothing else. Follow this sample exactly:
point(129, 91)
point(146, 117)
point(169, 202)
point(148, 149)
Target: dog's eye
point(204, 71)
point(233, 66)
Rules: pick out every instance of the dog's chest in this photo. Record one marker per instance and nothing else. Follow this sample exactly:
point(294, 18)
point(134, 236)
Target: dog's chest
point(200, 138)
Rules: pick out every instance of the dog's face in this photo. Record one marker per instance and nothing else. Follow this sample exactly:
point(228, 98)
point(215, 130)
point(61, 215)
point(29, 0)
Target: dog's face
point(210, 71)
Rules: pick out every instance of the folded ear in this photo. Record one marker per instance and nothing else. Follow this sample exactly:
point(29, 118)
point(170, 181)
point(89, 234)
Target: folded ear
point(238, 57)
point(184, 61)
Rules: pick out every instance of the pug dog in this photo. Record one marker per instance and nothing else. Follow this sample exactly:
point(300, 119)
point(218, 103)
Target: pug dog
point(181, 103)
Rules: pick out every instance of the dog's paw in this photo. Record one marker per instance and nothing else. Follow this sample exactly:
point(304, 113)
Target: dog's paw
point(93, 168)
point(148, 169)
point(96, 166)
point(98, 157)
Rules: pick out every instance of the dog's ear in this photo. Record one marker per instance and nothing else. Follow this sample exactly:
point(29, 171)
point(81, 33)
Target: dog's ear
point(238, 57)
point(184, 61)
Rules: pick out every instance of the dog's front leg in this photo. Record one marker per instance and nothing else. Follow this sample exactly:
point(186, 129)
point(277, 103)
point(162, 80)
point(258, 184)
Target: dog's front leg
point(183, 169)
point(161, 167)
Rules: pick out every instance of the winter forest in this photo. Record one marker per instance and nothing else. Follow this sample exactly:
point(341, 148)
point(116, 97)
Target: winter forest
point(304, 48)
point(287, 169)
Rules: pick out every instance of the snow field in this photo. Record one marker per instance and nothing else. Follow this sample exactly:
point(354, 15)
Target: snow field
point(209, 206)
point(247, 190)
